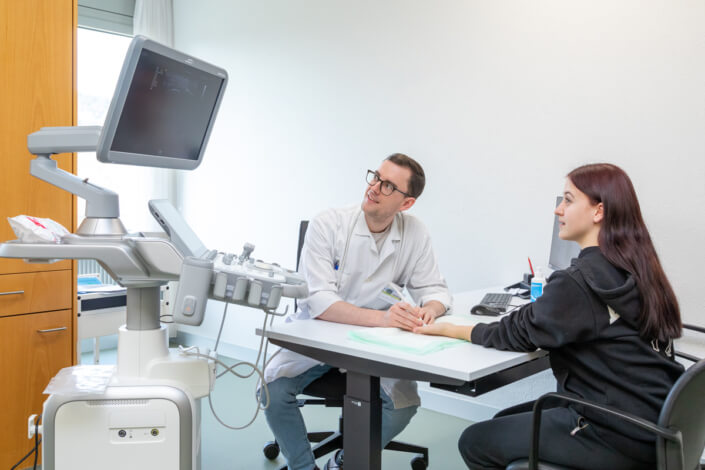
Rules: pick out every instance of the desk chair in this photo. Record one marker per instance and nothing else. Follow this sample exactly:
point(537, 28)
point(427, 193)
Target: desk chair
point(329, 390)
point(680, 431)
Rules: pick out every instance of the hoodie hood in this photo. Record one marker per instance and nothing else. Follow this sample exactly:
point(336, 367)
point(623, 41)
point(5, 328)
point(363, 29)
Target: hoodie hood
point(615, 287)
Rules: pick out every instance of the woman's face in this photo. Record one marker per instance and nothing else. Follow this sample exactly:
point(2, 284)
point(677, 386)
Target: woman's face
point(579, 220)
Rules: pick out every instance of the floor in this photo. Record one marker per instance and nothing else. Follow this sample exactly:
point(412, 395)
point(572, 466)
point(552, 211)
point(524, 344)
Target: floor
point(235, 404)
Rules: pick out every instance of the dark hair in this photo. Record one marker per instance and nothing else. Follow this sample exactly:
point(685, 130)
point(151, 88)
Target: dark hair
point(418, 177)
point(624, 240)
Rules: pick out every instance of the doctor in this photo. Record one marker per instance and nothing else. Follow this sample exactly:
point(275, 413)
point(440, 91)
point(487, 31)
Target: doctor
point(349, 256)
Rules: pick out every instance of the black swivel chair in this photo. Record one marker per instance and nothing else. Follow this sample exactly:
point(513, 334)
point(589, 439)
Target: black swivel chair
point(680, 431)
point(328, 391)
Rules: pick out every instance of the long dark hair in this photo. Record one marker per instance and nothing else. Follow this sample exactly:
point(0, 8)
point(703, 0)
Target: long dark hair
point(625, 242)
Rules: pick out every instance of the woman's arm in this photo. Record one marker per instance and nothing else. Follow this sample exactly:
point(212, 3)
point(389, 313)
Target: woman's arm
point(562, 315)
point(446, 329)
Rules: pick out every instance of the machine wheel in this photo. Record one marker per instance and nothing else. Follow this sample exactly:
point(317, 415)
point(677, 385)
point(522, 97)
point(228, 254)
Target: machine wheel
point(271, 450)
point(419, 463)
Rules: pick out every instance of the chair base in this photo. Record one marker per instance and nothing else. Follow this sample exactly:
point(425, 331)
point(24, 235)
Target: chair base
point(328, 390)
point(326, 442)
point(329, 441)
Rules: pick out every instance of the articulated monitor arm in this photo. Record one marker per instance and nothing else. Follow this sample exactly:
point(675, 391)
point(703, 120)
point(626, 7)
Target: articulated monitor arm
point(101, 203)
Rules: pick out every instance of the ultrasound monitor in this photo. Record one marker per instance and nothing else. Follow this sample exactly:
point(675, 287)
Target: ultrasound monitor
point(163, 109)
point(562, 251)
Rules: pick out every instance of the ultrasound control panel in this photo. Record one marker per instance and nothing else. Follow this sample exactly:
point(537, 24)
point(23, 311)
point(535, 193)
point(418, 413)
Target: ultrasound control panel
point(238, 279)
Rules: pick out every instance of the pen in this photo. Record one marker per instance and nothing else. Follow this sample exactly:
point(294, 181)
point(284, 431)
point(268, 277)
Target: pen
point(401, 296)
point(530, 266)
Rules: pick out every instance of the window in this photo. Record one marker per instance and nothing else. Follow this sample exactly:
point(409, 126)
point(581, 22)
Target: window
point(99, 61)
point(98, 66)
point(106, 15)
point(100, 57)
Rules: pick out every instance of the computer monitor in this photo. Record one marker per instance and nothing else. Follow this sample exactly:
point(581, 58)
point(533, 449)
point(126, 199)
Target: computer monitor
point(163, 109)
point(562, 251)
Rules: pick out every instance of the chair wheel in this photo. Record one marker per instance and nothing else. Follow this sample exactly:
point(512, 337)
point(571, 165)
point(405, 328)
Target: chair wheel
point(419, 463)
point(271, 450)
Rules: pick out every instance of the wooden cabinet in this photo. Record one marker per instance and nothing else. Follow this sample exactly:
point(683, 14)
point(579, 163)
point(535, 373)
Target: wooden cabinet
point(38, 312)
point(33, 348)
point(37, 77)
point(35, 292)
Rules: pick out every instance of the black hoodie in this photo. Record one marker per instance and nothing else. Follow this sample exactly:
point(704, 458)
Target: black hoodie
point(587, 319)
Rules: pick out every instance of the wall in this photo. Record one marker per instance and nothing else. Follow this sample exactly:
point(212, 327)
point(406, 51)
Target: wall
point(497, 99)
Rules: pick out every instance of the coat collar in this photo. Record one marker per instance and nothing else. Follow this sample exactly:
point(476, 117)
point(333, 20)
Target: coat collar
point(361, 229)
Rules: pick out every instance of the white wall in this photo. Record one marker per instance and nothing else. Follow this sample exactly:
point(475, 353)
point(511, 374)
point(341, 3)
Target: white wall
point(497, 99)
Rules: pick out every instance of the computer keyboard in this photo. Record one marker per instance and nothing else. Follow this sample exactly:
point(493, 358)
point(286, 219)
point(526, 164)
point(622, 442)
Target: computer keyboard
point(500, 301)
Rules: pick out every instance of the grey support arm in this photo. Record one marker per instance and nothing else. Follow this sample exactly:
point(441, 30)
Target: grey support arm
point(100, 202)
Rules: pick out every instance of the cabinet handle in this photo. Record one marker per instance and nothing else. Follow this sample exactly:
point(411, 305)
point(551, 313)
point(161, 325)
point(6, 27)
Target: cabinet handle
point(17, 292)
point(50, 330)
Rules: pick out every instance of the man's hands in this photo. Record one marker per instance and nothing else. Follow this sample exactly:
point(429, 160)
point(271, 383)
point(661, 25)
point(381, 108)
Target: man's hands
point(428, 315)
point(407, 317)
point(402, 315)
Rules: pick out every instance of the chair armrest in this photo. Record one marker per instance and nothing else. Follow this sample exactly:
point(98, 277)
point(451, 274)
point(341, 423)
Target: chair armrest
point(687, 356)
point(688, 326)
point(640, 422)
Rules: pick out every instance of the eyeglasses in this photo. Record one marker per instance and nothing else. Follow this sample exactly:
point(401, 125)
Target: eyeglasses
point(385, 187)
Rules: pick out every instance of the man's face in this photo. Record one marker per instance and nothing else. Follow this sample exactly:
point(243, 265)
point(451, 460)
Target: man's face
point(379, 205)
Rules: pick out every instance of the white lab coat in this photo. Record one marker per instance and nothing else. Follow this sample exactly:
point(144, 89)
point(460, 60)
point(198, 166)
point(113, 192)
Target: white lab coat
point(406, 259)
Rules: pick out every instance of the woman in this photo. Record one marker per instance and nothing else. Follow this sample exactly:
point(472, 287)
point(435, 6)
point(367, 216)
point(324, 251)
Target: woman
point(608, 323)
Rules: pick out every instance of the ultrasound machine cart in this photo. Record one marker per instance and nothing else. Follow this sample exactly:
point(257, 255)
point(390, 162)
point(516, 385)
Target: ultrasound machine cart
point(148, 416)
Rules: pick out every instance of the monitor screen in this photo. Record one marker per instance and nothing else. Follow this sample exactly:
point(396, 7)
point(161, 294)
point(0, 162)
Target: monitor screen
point(562, 251)
point(177, 228)
point(163, 108)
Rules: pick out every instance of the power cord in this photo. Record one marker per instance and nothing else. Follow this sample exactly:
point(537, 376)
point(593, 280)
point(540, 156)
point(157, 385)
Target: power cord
point(222, 322)
point(231, 369)
point(35, 449)
point(259, 350)
point(261, 354)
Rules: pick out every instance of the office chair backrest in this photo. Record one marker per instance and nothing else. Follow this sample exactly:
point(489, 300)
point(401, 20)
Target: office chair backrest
point(303, 226)
point(684, 410)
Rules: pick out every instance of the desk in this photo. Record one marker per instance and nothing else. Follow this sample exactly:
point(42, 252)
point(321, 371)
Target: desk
point(459, 367)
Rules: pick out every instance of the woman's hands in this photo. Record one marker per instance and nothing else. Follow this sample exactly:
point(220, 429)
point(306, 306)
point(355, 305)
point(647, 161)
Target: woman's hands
point(445, 329)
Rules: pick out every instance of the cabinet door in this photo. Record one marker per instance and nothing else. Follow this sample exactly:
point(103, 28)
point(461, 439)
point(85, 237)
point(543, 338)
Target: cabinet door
point(33, 348)
point(37, 77)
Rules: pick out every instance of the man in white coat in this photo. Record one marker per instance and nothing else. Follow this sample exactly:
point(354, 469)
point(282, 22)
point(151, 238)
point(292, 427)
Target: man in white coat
point(349, 256)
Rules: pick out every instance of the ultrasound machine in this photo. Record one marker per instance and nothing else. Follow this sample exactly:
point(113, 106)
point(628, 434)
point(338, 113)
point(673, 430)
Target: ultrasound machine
point(148, 414)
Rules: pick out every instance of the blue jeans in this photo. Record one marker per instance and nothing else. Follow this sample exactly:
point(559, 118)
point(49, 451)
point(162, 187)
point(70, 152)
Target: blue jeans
point(287, 423)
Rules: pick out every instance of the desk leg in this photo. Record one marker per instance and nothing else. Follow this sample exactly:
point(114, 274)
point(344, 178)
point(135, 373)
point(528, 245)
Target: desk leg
point(362, 411)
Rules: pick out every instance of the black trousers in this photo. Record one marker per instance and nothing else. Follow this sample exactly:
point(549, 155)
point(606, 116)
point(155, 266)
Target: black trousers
point(495, 443)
